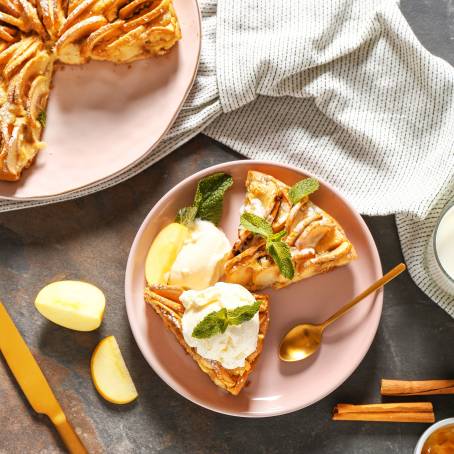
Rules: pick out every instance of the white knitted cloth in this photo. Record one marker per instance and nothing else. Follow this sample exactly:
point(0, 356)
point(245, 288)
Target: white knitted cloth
point(341, 88)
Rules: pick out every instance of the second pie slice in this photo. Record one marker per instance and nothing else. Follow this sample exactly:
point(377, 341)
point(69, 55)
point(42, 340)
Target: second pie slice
point(236, 347)
point(316, 241)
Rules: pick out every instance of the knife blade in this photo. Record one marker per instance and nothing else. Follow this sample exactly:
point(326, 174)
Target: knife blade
point(33, 382)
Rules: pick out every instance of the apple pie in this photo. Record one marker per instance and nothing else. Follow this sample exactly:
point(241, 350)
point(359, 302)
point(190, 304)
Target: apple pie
point(165, 300)
point(34, 34)
point(316, 241)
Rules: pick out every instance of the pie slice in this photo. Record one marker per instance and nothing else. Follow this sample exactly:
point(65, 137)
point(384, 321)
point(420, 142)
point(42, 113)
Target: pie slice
point(317, 242)
point(165, 301)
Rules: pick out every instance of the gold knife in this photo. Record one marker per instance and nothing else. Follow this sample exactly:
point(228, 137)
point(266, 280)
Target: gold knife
point(33, 383)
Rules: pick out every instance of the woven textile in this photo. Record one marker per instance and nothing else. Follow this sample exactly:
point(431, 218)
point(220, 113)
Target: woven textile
point(341, 88)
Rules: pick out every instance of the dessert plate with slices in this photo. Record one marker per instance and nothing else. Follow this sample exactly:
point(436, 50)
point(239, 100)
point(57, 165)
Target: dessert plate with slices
point(226, 263)
point(89, 87)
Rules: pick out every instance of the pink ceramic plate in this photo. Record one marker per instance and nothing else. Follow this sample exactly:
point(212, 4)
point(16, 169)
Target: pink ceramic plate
point(102, 118)
point(275, 387)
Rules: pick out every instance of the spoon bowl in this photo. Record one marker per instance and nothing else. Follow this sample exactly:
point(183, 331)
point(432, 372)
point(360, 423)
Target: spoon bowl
point(303, 340)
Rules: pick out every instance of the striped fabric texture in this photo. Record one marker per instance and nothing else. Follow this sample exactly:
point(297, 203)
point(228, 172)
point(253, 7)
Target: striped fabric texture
point(340, 88)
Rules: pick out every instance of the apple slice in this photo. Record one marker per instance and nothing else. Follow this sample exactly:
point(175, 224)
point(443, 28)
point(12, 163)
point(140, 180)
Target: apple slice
point(163, 252)
point(72, 304)
point(110, 374)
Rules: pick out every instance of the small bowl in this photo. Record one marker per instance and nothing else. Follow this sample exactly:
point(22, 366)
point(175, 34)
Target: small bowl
point(436, 269)
point(430, 431)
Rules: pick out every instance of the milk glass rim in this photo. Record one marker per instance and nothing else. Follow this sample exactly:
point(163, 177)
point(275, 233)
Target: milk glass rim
point(449, 205)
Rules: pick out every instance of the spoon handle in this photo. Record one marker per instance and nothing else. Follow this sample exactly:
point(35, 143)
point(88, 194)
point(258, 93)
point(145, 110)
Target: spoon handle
point(389, 276)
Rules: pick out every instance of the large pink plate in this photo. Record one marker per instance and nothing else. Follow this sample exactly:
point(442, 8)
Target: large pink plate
point(275, 387)
point(102, 118)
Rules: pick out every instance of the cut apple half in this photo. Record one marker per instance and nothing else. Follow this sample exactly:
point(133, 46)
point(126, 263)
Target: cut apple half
point(163, 252)
point(72, 304)
point(110, 374)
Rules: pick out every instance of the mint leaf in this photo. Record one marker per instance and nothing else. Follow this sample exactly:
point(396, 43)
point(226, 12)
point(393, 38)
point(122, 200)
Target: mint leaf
point(279, 251)
point(281, 254)
point(256, 224)
point(214, 323)
point(208, 200)
point(186, 215)
point(242, 314)
point(209, 196)
point(42, 118)
point(302, 189)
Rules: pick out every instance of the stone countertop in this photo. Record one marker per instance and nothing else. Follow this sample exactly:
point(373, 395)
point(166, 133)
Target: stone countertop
point(90, 238)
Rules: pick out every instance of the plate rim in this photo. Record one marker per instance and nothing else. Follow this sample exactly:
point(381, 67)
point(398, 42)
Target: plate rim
point(376, 263)
point(146, 153)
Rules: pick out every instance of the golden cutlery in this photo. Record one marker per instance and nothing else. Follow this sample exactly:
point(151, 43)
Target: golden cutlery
point(304, 340)
point(33, 383)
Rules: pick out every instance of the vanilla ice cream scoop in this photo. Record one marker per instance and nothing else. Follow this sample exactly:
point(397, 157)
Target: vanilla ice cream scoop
point(232, 347)
point(200, 262)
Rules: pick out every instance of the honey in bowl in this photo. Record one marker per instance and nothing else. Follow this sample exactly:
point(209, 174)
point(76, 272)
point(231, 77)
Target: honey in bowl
point(440, 442)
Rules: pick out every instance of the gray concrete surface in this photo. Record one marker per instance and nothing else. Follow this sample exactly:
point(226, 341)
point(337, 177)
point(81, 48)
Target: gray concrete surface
point(90, 238)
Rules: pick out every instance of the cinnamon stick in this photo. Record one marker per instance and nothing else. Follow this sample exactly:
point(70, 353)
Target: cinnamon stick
point(421, 412)
point(416, 387)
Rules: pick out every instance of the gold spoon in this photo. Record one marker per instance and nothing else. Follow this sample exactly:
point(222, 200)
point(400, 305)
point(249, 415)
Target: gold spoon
point(304, 340)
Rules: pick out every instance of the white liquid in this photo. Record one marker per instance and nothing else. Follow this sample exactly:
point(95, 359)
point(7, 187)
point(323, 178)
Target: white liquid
point(445, 242)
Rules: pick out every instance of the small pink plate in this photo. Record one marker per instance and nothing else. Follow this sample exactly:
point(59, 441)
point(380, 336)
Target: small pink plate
point(102, 118)
point(275, 387)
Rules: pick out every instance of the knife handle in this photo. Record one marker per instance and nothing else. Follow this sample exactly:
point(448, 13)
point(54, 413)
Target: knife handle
point(68, 435)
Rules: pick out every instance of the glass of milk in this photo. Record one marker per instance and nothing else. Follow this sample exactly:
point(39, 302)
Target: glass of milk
point(440, 250)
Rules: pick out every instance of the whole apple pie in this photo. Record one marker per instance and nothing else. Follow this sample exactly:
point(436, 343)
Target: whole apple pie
point(34, 34)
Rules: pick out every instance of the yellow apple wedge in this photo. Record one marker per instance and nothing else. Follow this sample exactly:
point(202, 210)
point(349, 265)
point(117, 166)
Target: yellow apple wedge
point(163, 252)
point(110, 374)
point(72, 304)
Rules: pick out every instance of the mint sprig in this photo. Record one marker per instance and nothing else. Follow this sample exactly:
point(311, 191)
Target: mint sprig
point(217, 322)
point(278, 249)
point(42, 118)
point(302, 189)
point(208, 200)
